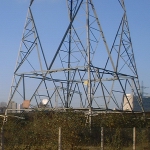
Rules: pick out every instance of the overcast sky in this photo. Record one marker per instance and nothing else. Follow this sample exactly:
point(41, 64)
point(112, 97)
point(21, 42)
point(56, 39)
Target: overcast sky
point(51, 19)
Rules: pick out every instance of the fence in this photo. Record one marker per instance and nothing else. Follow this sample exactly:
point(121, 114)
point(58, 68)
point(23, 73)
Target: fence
point(40, 131)
point(106, 139)
point(118, 139)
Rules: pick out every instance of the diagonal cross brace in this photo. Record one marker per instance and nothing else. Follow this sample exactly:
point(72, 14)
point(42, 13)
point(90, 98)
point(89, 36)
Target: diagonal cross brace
point(31, 2)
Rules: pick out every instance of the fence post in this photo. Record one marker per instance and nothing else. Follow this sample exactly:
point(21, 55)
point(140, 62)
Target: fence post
point(59, 139)
point(2, 138)
point(134, 138)
point(102, 138)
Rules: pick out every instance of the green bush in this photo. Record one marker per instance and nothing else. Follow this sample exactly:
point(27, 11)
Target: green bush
point(39, 130)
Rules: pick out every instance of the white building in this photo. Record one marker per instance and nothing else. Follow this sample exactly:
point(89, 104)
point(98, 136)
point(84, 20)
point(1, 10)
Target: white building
point(12, 107)
point(131, 103)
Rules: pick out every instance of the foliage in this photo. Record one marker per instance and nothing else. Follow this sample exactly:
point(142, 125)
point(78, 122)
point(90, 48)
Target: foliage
point(39, 130)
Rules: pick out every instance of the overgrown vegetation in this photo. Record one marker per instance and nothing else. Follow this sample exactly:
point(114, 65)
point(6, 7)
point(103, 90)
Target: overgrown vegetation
point(39, 131)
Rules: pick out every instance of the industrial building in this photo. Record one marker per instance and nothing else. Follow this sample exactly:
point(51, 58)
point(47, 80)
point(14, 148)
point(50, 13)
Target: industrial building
point(12, 107)
point(131, 103)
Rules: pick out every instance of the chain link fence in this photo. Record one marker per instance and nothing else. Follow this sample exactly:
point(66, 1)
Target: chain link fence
point(40, 131)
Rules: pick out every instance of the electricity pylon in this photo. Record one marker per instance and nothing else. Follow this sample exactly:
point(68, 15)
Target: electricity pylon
point(90, 75)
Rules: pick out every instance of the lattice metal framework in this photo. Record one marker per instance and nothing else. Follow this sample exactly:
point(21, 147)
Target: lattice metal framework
point(82, 74)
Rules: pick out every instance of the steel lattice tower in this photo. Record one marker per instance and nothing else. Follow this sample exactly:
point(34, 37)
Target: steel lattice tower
point(81, 74)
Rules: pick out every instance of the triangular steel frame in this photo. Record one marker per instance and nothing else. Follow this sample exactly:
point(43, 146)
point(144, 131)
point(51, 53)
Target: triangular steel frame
point(78, 79)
